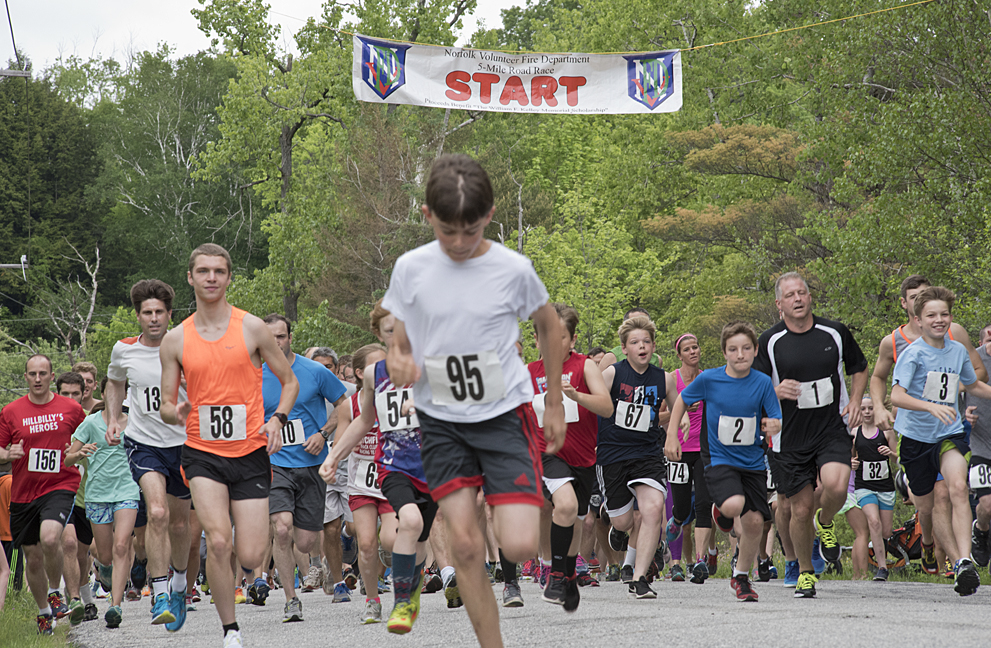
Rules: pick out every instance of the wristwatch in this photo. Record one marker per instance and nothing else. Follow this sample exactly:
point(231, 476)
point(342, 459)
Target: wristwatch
point(282, 417)
point(325, 434)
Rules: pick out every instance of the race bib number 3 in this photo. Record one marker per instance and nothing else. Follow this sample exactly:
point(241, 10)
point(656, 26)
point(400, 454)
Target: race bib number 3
point(941, 387)
point(44, 460)
point(980, 476)
point(570, 409)
point(389, 409)
point(677, 473)
point(469, 379)
point(633, 416)
point(292, 433)
point(737, 430)
point(817, 393)
point(223, 422)
point(876, 470)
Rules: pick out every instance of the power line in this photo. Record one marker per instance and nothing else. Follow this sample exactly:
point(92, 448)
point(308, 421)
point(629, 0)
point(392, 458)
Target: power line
point(13, 42)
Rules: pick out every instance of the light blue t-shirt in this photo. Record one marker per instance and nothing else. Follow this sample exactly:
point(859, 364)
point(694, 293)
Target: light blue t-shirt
point(108, 478)
point(736, 405)
point(316, 383)
point(931, 374)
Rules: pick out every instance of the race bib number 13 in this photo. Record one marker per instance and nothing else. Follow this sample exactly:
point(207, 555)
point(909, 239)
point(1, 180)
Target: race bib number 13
point(44, 460)
point(223, 422)
point(469, 379)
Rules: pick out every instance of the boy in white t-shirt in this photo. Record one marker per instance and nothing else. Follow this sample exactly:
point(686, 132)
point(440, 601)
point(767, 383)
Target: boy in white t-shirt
point(457, 302)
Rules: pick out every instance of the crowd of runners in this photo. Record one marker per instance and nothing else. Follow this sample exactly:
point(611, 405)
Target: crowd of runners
point(222, 464)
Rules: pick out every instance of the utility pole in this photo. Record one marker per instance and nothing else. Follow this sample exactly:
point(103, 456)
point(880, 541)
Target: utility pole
point(23, 265)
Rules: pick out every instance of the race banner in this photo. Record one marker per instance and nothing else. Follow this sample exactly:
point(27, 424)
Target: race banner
point(469, 79)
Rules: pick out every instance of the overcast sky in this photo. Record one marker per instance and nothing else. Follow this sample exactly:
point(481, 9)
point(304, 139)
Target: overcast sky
point(46, 29)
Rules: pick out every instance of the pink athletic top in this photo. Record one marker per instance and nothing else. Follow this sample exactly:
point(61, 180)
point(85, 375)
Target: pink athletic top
point(691, 444)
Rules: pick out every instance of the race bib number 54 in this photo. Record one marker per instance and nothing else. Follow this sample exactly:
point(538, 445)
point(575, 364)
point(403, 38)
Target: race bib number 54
point(223, 422)
point(389, 409)
point(44, 460)
point(469, 379)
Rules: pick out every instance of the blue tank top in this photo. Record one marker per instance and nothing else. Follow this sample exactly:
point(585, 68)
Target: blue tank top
point(398, 450)
point(618, 443)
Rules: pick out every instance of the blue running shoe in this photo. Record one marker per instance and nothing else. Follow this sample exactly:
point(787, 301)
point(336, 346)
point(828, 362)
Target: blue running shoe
point(791, 573)
point(349, 550)
point(341, 593)
point(774, 573)
point(177, 605)
point(161, 611)
point(672, 532)
point(818, 564)
point(258, 592)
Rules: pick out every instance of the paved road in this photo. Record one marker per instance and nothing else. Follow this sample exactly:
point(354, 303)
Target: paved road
point(846, 614)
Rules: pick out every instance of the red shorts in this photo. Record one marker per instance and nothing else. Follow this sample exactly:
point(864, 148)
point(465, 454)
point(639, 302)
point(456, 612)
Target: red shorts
point(382, 506)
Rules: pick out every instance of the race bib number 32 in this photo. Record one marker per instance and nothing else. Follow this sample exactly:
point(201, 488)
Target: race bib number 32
point(292, 433)
point(223, 422)
point(469, 379)
point(737, 430)
point(941, 387)
point(876, 470)
point(389, 409)
point(44, 460)
point(633, 416)
point(816, 393)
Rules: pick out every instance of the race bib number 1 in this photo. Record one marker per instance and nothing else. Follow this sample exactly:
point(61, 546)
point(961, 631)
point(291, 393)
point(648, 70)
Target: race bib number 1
point(223, 422)
point(44, 460)
point(816, 393)
point(737, 430)
point(389, 409)
point(470, 379)
point(677, 473)
point(633, 416)
point(570, 409)
point(980, 476)
point(941, 387)
point(876, 470)
point(292, 433)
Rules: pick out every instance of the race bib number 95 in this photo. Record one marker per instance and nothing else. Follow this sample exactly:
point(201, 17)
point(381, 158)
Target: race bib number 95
point(223, 422)
point(44, 460)
point(469, 379)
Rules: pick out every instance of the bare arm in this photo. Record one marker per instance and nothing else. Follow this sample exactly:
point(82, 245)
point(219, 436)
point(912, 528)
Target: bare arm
point(113, 396)
point(399, 361)
point(672, 445)
point(597, 400)
point(901, 398)
point(670, 396)
point(328, 470)
point(549, 328)
point(170, 355)
point(857, 386)
point(75, 452)
point(879, 383)
point(607, 360)
point(345, 442)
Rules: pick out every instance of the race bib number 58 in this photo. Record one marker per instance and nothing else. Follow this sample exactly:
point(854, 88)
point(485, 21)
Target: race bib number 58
point(223, 422)
point(44, 460)
point(469, 379)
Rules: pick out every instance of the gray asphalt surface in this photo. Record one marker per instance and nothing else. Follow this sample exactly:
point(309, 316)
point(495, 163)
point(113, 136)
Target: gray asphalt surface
point(846, 614)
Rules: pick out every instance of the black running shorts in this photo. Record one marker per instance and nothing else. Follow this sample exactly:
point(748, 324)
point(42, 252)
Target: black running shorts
point(247, 477)
point(26, 519)
point(798, 465)
point(400, 491)
point(617, 481)
point(723, 482)
point(300, 491)
point(557, 473)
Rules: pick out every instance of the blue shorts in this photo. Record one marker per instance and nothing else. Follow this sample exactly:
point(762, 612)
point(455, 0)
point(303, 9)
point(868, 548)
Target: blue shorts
point(884, 500)
point(103, 512)
point(165, 461)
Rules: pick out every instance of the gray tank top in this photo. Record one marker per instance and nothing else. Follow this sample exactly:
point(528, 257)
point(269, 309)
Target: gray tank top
point(980, 436)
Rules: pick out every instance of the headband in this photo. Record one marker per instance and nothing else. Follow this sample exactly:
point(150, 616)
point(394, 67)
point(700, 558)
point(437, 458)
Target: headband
point(678, 342)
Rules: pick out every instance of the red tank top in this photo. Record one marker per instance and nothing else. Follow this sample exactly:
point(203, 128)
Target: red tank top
point(579, 442)
point(224, 388)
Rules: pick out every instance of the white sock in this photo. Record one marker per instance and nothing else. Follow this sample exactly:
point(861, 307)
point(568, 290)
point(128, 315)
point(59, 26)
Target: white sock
point(737, 572)
point(631, 557)
point(52, 590)
point(159, 586)
point(178, 580)
point(45, 611)
point(714, 552)
point(86, 591)
point(447, 574)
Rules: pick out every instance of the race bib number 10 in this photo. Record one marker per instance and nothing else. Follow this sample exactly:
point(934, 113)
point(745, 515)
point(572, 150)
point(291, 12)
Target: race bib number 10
point(816, 393)
point(292, 433)
point(44, 460)
point(223, 422)
point(469, 379)
point(941, 387)
point(633, 416)
point(389, 409)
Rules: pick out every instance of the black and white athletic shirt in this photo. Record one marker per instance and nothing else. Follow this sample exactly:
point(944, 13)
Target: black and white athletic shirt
point(814, 358)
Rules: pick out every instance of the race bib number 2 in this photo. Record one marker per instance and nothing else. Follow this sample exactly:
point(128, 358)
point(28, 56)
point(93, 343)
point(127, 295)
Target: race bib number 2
point(292, 433)
point(223, 422)
point(737, 430)
point(469, 379)
point(44, 460)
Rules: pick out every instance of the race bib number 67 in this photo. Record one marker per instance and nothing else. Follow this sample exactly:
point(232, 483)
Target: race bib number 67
point(44, 460)
point(223, 422)
point(633, 416)
point(469, 379)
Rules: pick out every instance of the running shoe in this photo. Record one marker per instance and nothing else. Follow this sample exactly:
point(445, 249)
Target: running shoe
point(133, 593)
point(349, 550)
point(313, 580)
point(452, 594)
point(627, 574)
point(530, 568)
point(177, 605)
point(712, 562)
point(741, 585)
point(966, 579)
point(581, 565)
point(328, 582)
point(350, 578)
point(829, 546)
point(672, 532)
point(46, 624)
point(593, 564)
point(806, 587)
point(139, 573)
point(642, 589)
point(572, 595)
point(612, 574)
point(194, 595)
point(239, 596)
point(511, 595)
point(432, 582)
point(676, 574)
point(764, 570)
point(619, 541)
point(881, 575)
point(258, 592)
point(104, 574)
point(294, 610)
point(700, 572)
point(774, 572)
point(90, 612)
point(114, 616)
point(59, 608)
point(384, 586)
point(980, 552)
point(341, 593)
point(791, 573)
point(233, 639)
point(497, 572)
point(585, 579)
point(818, 562)
point(189, 604)
point(929, 564)
point(76, 612)
point(948, 570)
point(372, 613)
point(161, 610)
point(725, 524)
point(146, 591)
point(556, 589)
point(402, 618)
point(736, 556)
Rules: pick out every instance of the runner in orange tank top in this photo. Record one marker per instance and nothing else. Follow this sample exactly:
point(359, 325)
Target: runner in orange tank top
point(220, 349)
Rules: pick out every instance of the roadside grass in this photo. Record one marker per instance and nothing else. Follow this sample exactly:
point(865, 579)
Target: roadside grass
point(19, 627)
